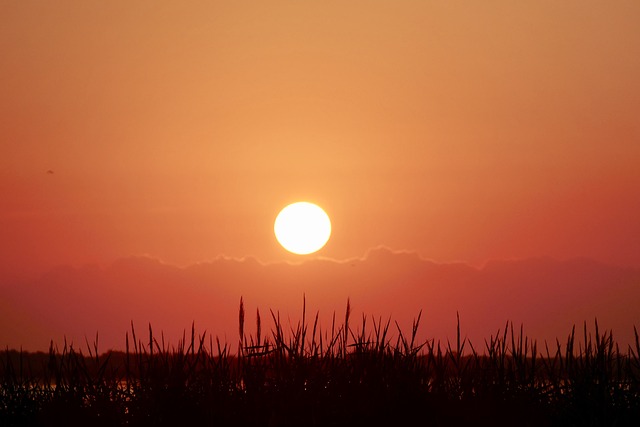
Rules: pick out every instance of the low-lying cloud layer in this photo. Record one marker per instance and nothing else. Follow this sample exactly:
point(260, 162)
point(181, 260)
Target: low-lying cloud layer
point(546, 295)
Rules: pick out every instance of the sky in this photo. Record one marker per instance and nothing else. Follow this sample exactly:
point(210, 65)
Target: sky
point(547, 297)
point(461, 131)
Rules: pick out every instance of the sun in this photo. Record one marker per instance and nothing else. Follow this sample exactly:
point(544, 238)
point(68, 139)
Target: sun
point(302, 228)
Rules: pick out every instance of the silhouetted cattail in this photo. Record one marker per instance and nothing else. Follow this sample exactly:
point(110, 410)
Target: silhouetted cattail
point(241, 322)
point(258, 326)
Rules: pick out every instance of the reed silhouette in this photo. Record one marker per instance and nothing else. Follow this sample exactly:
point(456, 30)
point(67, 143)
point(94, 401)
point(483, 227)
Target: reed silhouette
point(302, 374)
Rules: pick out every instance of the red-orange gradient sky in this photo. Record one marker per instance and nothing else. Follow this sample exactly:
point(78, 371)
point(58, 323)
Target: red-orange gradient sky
point(458, 131)
point(461, 130)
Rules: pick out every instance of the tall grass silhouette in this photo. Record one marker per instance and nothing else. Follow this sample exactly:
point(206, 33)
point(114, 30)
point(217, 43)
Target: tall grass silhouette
point(370, 374)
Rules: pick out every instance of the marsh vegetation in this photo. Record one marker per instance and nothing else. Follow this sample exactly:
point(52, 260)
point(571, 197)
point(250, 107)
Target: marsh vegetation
point(355, 372)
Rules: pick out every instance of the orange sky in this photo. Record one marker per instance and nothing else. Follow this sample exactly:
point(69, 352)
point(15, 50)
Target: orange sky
point(460, 130)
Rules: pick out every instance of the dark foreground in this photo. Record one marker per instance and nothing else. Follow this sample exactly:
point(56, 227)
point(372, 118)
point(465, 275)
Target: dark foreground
point(311, 377)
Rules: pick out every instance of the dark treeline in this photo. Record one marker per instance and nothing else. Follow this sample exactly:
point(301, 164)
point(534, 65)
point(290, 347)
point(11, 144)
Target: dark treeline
point(369, 374)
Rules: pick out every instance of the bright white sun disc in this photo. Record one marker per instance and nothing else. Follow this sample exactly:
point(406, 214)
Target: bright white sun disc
point(302, 228)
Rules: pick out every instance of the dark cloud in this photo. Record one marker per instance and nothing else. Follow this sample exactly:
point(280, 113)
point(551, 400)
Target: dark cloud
point(548, 296)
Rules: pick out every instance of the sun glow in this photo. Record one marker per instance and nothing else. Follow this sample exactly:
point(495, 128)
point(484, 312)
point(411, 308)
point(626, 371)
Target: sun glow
point(302, 228)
